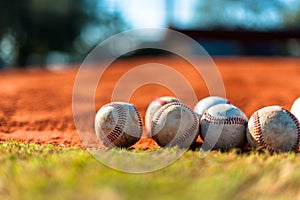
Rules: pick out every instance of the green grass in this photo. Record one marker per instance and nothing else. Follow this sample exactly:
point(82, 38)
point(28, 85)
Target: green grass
point(32, 171)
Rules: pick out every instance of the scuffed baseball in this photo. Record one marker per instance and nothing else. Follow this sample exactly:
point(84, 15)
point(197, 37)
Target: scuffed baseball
point(295, 110)
point(223, 126)
point(118, 124)
point(273, 128)
point(208, 102)
point(154, 106)
point(175, 124)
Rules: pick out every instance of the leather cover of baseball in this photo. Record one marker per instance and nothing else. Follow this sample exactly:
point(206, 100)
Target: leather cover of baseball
point(175, 124)
point(154, 106)
point(296, 108)
point(208, 102)
point(118, 124)
point(274, 128)
point(223, 127)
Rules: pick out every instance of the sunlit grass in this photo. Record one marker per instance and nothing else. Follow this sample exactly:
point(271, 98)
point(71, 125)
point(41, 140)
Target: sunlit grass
point(32, 171)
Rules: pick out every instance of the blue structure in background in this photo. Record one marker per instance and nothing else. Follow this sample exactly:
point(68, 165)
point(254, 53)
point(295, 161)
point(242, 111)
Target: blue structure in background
point(256, 27)
point(48, 32)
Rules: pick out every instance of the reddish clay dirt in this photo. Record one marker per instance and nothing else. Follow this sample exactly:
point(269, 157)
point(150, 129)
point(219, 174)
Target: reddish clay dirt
point(36, 103)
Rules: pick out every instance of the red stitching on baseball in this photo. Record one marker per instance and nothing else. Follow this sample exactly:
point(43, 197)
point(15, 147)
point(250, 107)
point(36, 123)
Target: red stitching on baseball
point(296, 121)
point(257, 128)
point(258, 132)
point(158, 115)
point(155, 120)
point(118, 129)
point(139, 120)
point(161, 102)
point(188, 133)
point(224, 120)
point(228, 101)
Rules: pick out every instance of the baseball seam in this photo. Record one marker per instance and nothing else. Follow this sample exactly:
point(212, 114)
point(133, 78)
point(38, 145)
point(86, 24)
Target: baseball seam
point(119, 128)
point(139, 120)
point(258, 132)
point(156, 118)
point(296, 121)
point(224, 120)
point(188, 133)
point(160, 101)
point(158, 115)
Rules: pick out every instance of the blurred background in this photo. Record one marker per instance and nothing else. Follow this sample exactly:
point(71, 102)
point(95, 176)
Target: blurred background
point(51, 32)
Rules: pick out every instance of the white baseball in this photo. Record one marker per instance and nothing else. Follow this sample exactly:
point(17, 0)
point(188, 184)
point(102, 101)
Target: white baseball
point(274, 128)
point(223, 126)
point(208, 102)
point(175, 124)
point(118, 124)
point(296, 108)
point(156, 104)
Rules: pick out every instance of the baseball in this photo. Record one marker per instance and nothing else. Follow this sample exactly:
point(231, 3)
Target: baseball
point(118, 124)
point(274, 128)
point(175, 124)
point(296, 108)
point(208, 102)
point(156, 104)
point(223, 127)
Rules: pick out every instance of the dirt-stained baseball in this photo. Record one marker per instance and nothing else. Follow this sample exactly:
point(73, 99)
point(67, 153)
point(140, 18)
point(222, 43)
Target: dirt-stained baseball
point(223, 126)
point(208, 102)
point(118, 124)
point(296, 108)
point(156, 104)
point(175, 124)
point(273, 128)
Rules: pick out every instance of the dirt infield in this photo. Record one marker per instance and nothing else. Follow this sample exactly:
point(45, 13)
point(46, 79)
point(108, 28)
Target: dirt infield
point(36, 104)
